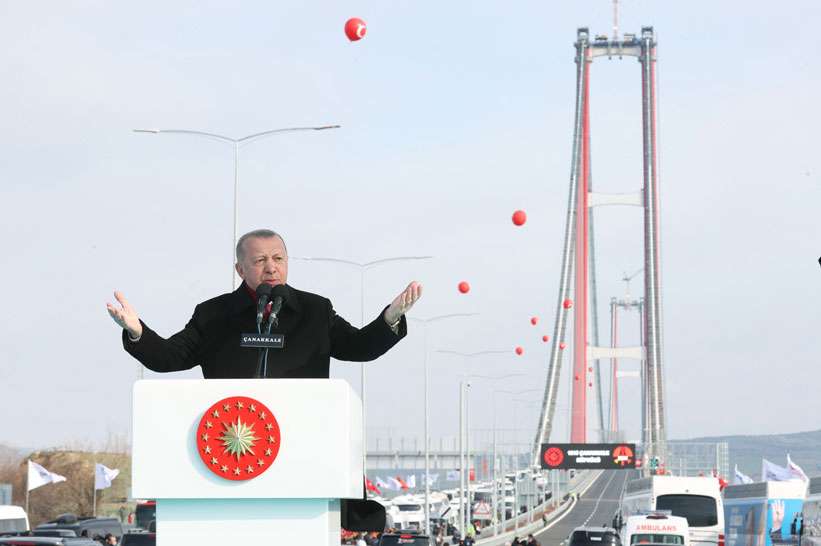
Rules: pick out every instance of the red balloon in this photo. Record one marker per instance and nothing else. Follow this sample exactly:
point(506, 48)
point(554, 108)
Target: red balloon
point(577, 377)
point(589, 385)
point(355, 29)
point(534, 320)
point(519, 350)
point(568, 303)
point(519, 217)
point(464, 287)
point(545, 338)
point(562, 345)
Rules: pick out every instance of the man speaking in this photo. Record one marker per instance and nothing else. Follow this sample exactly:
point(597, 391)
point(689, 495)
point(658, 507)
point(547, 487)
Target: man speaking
point(313, 332)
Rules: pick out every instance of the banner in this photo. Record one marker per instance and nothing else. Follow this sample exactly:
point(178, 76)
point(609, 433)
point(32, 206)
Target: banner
point(588, 456)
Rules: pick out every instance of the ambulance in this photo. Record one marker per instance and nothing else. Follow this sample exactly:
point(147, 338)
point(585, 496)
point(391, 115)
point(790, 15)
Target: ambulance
point(656, 528)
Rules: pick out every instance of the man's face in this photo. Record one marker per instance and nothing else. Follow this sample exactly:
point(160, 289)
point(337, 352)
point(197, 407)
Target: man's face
point(265, 261)
point(111, 540)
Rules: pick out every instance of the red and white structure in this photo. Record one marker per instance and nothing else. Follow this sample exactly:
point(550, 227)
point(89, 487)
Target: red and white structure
point(577, 257)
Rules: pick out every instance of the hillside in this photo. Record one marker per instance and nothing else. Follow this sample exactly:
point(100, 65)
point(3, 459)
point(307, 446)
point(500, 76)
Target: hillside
point(747, 451)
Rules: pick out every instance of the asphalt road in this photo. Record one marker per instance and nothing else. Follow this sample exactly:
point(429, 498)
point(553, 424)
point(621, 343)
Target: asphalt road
point(595, 508)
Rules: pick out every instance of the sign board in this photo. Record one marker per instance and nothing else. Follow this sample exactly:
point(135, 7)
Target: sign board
point(5, 493)
point(588, 456)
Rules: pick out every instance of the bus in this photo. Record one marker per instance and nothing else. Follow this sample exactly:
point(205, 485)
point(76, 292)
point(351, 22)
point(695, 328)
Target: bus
point(697, 499)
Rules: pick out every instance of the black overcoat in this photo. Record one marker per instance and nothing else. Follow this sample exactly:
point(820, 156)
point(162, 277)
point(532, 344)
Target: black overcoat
point(313, 334)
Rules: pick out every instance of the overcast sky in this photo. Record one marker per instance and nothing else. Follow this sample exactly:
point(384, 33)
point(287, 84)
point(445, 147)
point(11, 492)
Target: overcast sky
point(453, 115)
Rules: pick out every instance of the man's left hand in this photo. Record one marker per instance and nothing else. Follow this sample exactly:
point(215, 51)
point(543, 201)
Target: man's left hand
point(403, 302)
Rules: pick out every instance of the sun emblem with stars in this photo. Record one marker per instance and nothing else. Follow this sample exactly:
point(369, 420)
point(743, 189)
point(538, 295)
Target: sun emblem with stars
point(238, 438)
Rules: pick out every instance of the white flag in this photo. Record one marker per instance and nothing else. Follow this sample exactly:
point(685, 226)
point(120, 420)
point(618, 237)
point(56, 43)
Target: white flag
point(452, 475)
point(433, 478)
point(381, 484)
point(740, 477)
point(411, 481)
point(394, 485)
point(796, 470)
point(771, 472)
point(103, 476)
point(37, 476)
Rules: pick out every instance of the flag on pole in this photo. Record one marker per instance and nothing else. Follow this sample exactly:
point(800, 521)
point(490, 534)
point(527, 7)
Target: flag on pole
point(371, 487)
point(771, 472)
point(402, 483)
point(411, 481)
point(433, 478)
point(740, 477)
point(394, 485)
point(104, 475)
point(37, 476)
point(381, 484)
point(452, 475)
point(795, 470)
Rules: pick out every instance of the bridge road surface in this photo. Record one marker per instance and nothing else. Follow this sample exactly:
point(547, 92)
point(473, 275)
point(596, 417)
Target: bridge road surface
point(595, 508)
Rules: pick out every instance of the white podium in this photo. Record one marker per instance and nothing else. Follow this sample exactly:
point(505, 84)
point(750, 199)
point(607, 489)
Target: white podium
point(224, 473)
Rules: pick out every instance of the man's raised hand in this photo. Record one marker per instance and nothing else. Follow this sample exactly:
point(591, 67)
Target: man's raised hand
point(125, 316)
point(403, 302)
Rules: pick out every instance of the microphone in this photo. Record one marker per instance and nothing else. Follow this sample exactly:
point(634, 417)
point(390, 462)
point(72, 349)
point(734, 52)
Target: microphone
point(278, 296)
point(263, 295)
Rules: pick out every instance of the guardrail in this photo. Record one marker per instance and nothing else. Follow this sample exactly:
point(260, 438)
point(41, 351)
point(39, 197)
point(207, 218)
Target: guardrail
point(531, 521)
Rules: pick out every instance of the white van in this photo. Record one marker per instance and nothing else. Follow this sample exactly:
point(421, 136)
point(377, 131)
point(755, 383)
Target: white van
point(656, 528)
point(13, 519)
point(698, 499)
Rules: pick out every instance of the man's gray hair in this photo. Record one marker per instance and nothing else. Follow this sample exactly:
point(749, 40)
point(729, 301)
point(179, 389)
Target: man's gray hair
point(259, 234)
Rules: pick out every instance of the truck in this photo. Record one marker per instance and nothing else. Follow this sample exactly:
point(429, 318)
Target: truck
point(762, 513)
point(809, 526)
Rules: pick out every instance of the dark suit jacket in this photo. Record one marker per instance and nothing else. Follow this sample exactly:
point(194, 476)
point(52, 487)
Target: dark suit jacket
point(313, 334)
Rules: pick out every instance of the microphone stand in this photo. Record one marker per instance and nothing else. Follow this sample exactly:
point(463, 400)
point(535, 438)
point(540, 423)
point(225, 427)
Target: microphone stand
point(262, 355)
point(272, 321)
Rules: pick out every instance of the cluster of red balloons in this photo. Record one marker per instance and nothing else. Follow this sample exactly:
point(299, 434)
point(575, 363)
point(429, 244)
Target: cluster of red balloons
point(355, 30)
point(519, 218)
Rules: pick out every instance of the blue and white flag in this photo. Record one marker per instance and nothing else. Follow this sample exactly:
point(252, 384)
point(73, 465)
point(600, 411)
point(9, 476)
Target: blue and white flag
point(771, 472)
point(452, 475)
point(741, 477)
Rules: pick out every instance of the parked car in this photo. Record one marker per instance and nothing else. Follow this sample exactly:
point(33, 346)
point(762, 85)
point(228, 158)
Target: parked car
point(594, 536)
point(54, 533)
point(47, 541)
point(84, 526)
point(139, 538)
point(13, 519)
point(404, 539)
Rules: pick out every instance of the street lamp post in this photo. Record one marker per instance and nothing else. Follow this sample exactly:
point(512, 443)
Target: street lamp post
point(363, 266)
point(236, 143)
point(495, 496)
point(516, 438)
point(464, 429)
point(425, 322)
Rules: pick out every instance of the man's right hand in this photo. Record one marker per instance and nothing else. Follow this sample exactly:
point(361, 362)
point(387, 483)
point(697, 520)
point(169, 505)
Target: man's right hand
point(125, 316)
